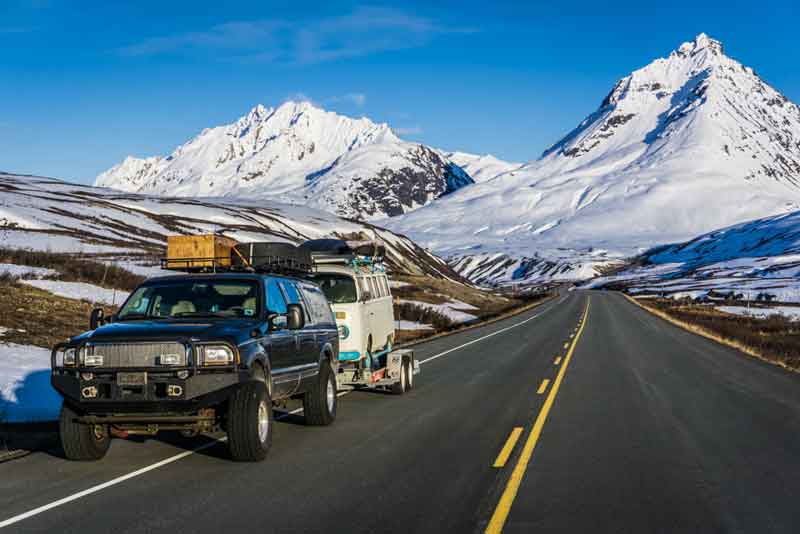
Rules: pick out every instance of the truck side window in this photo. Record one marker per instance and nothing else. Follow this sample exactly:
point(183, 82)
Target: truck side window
point(318, 306)
point(275, 301)
point(292, 296)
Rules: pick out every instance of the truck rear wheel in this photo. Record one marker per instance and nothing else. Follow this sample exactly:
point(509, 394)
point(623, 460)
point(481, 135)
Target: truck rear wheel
point(250, 423)
point(319, 403)
point(82, 442)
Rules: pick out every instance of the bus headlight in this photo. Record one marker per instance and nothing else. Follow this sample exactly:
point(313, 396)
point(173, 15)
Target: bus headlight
point(344, 332)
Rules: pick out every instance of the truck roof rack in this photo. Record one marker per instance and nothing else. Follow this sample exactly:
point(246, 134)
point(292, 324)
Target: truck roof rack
point(213, 254)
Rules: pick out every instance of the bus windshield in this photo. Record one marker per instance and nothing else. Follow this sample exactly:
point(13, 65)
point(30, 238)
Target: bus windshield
point(338, 288)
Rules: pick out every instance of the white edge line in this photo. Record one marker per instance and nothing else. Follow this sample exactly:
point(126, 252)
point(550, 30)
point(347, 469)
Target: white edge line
point(114, 481)
point(531, 318)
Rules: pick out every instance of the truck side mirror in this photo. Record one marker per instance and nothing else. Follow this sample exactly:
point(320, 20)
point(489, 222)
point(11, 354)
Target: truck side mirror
point(277, 321)
point(295, 317)
point(96, 318)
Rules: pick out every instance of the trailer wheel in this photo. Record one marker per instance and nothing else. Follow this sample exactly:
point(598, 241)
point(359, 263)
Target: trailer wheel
point(320, 402)
point(409, 368)
point(401, 386)
point(82, 442)
point(250, 422)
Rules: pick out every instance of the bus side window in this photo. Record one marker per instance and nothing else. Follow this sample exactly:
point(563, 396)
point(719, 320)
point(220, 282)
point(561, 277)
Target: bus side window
point(385, 285)
point(363, 286)
point(375, 293)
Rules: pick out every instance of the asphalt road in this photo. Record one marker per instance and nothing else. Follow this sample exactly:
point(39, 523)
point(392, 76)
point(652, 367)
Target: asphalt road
point(641, 427)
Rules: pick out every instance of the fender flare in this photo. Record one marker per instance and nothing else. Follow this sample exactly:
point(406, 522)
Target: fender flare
point(327, 354)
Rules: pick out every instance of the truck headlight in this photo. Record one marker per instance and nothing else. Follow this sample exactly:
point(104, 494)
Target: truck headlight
point(93, 360)
point(344, 332)
point(170, 359)
point(68, 357)
point(216, 355)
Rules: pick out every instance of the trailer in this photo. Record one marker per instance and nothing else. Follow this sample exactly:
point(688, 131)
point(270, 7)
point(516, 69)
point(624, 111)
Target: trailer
point(395, 372)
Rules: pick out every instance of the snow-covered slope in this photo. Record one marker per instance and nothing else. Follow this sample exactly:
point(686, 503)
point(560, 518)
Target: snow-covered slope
point(757, 259)
point(300, 154)
point(482, 168)
point(48, 214)
point(691, 142)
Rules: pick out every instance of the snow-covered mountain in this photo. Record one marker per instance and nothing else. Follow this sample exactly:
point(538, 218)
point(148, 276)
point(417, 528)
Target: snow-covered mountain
point(484, 167)
point(48, 214)
point(300, 154)
point(689, 143)
point(758, 259)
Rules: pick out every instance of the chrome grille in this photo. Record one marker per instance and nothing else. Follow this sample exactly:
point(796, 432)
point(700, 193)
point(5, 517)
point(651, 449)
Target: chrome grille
point(136, 354)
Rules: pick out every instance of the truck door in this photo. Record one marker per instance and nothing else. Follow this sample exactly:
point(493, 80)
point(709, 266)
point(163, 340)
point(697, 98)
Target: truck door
point(281, 348)
point(305, 339)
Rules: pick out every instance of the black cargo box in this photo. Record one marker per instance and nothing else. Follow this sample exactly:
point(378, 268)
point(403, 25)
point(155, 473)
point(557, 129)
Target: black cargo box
point(271, 256)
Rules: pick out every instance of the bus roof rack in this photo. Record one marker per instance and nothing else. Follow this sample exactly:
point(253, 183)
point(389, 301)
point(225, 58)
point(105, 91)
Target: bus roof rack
point(331, 251)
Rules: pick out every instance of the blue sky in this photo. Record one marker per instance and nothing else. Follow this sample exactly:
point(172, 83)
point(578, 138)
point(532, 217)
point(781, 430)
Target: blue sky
point(83, 84)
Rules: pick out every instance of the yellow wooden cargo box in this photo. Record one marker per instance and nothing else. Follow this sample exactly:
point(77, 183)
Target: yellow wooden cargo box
point(199, 251)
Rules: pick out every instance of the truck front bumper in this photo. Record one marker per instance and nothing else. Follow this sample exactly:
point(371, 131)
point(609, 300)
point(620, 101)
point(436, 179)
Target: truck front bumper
point(161, 392)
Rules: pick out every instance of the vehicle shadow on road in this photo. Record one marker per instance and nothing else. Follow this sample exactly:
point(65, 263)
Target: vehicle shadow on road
point(29, 416)
point(203, 444)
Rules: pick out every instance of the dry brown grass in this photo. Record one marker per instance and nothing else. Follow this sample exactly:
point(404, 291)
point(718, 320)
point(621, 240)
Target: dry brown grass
point(36, 317)
point(411, 337)
point(74, 268)
point(439, 291)
point(774, 339)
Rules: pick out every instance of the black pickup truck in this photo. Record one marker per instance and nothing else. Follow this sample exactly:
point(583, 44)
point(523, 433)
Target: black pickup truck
point(199, 353)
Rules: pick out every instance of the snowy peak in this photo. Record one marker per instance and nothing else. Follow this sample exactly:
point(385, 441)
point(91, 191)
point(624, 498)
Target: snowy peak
point(688, 143)
point(695, 100)
point(303, 154)
point(700, 44)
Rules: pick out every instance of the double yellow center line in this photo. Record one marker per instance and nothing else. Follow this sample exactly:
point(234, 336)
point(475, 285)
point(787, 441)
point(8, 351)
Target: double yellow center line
point(503, 508)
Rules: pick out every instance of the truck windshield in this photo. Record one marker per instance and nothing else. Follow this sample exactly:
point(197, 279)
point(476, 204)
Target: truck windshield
point(338, 288)
point(190, 298)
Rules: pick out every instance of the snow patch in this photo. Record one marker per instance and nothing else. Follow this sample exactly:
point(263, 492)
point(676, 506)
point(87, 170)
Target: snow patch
point(81, 291)
point(25, 391)
point(25, 271)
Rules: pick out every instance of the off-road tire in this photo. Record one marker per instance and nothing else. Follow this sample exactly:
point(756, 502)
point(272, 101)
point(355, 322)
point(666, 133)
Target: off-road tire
point(82, 442)
point(246, 408)
point(318, 406)
point(401, 386)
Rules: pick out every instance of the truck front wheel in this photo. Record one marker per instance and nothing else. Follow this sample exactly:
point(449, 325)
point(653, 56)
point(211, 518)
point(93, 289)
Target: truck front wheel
point(250, 422)
point(82, 442)
point(319, 403)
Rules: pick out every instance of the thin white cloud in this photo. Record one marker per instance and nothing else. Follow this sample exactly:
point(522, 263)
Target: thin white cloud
point(365, 30)
point(356, 99)
point(411, 130)
point(299, 97)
